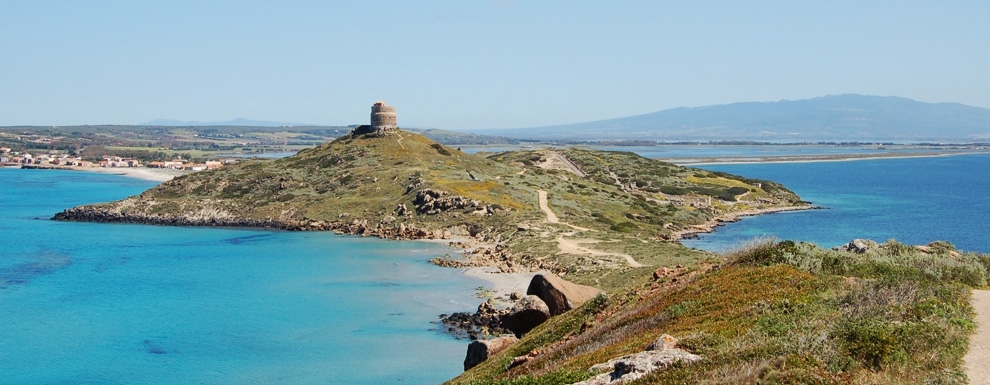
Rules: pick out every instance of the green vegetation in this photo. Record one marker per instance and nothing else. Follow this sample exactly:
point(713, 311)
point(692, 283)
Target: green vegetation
point(775, 313)
point(372, 184)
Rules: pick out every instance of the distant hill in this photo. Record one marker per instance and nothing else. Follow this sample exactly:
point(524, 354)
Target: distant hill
point(847, 117)
point(234, 122)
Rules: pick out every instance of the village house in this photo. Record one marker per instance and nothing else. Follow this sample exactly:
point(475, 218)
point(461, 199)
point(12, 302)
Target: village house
point(116, 161)
point(66, 160)
point(172, 164)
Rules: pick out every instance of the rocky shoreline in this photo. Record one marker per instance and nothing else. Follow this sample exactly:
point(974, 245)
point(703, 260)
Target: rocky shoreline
point(355, 227)
point(721, 220)
point(477, 249)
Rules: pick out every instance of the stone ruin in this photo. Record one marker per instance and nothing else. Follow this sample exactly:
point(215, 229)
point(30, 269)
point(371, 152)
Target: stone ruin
point(382, 121)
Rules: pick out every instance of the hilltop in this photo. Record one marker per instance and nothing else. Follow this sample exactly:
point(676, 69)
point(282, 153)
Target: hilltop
point(575, 212)
point(846, 117)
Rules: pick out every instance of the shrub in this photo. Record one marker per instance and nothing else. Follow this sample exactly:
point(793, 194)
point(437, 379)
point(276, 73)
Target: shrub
point(623, 227)
point(439, 147)
point(873, 342)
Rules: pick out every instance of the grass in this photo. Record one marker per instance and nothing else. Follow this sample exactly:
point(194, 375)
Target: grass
point(366, 178)
point(775, 313)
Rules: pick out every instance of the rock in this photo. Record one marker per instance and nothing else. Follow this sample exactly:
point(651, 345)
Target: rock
point(558, 294)
point(858, 246)
point(525, 315)
point(487, 320)
point(661, 272)
point(515, 296)
point(432, 202)
point(481, 350)
point(660, 355)
point(516, 361)
point(664, 342)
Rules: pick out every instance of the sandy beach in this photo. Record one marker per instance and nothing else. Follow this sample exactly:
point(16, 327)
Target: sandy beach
point(153, 174)
point(502, 284)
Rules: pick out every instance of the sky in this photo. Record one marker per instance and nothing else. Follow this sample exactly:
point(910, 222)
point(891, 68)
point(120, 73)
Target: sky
point(464, 65)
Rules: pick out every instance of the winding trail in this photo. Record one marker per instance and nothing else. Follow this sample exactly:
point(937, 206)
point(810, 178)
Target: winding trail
point(978, 357)
point(545, 206)
point(573, 246)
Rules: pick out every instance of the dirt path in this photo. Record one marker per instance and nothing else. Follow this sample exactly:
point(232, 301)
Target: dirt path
point(977, 359)
point(551, 217)
point(557, 161)
point(545, 206)
point(573, 246)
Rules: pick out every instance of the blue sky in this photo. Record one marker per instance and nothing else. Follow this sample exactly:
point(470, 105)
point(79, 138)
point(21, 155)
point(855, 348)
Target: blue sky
point(472, 64)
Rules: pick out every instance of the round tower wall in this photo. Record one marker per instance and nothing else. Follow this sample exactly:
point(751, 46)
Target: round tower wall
point(383, 117)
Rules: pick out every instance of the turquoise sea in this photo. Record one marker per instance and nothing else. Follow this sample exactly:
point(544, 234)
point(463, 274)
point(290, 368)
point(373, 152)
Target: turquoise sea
point(912, 200)
point(85, 303)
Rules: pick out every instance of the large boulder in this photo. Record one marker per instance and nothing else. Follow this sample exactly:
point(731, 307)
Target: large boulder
point(525, 315)
point(481, 350)
point(660, 355)
point(558, 294)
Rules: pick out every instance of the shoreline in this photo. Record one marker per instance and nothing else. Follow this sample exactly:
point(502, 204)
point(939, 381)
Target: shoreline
point(811, 158)
point(721, 220)
point(501, 283)
point(152, 174)
point(144, 173)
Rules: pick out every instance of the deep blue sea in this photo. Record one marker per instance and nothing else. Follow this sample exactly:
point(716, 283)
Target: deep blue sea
point(85, 303)
point(912, 200)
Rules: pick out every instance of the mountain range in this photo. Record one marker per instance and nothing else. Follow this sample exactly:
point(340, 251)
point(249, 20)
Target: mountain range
point(847, 117)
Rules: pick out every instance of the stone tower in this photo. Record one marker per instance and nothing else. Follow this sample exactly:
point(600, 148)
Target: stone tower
point(383, 118)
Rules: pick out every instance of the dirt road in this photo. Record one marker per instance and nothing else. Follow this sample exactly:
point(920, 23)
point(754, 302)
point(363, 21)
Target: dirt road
point(977, 360)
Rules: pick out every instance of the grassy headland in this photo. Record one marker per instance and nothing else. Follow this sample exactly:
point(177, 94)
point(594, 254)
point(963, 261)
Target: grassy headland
point(772, 313)
point(616, 213)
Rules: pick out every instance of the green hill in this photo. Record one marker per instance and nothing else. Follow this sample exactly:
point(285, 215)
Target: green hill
point(614, 211)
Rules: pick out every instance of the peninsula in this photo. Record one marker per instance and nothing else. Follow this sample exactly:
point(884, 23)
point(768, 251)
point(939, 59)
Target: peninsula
point(576, 212)
point(773, 312)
